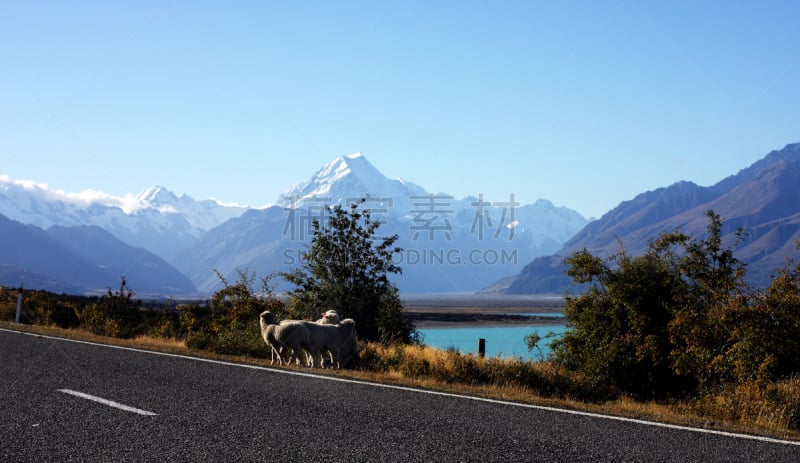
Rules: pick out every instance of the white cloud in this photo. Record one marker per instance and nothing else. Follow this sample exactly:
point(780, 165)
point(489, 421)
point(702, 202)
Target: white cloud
point(128, 203)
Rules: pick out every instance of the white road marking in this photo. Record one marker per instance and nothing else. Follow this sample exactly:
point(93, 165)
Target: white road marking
point(423, 391)
point(110, 403)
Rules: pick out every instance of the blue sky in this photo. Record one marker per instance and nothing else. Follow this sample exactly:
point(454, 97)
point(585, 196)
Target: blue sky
point(583, 103)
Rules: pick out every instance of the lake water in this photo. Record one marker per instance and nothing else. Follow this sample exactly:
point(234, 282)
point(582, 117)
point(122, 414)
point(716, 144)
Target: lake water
point(501, 341)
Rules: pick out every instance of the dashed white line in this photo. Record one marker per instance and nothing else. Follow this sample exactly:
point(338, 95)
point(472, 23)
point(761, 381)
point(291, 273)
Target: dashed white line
point(110, 403)
point(423, 391)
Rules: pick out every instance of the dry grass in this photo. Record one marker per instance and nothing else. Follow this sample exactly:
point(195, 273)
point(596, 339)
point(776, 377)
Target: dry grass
point(774, 406)
point(767, 409)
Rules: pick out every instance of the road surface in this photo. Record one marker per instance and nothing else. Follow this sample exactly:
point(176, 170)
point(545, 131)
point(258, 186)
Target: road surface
point(63, 400)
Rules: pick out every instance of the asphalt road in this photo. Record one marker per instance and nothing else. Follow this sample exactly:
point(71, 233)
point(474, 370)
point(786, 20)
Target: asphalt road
point(206, 411)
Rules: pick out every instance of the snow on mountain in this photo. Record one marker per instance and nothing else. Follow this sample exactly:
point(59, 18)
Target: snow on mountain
point(449, 245)
point(349, 178)
point(540, 226)
point(155, 219)
point(38, 204)
point(203, 214)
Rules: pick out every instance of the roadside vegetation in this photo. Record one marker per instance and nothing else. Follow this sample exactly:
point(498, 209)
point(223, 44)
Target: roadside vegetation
point(673, 334)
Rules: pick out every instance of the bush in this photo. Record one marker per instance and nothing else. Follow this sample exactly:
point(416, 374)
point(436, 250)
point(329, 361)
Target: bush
point(115, 314)
point(228, 323)
point(650, 325)
point(679, 319)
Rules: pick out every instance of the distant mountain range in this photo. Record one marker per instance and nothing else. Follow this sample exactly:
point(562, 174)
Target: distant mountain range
point(81, 259)
point(764, 199)
point(450, 245)
point(91, 239)
point(172, 245)
point(155, 219)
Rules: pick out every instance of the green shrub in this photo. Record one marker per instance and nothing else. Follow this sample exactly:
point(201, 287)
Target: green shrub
point(115, 314)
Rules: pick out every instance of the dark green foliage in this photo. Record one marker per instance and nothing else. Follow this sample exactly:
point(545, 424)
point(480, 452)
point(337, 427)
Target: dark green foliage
point(346, 269)
point(115, 314)
point(620, 324)
point(781, 320)
point(679, 318)
point(757, 333)
point(228, 324)
point(42, 307)
point(715, 283)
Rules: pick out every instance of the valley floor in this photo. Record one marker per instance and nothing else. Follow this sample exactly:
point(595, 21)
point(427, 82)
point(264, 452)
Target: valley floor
point(462, 311)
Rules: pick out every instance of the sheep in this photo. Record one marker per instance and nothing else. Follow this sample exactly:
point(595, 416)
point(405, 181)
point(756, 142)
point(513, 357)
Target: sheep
point(329, 317)
point(292, 335)
point(339, 340)
point(267, 322)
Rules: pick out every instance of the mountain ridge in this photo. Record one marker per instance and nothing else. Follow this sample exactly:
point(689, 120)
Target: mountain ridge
point(156, 219)
point(443, 238)
point(762, 198)
point(81, 259)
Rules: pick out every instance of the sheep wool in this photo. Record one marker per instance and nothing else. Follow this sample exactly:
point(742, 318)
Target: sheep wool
point(291, 335)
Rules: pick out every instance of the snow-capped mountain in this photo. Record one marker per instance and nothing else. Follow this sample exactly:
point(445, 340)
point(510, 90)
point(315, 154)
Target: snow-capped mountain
point(156, 219)
point(203, 214)
point(348, 178)
point(449, 245)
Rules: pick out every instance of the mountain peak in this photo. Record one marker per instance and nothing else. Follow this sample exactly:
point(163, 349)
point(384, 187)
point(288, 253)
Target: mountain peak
point(157, 195)
point(351, 164)
point(347, 178)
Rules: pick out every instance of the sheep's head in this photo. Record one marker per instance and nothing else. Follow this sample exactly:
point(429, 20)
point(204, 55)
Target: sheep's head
point(331, 317)
point(267, 317)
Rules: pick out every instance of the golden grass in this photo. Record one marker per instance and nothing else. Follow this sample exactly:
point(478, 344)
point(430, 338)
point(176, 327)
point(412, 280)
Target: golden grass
point(764, 409)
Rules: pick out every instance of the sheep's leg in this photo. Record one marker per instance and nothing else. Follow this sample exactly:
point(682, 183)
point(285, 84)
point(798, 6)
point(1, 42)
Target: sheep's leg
point(335, 358)
point(325, 358)
point(275, 353)
point(313, 355)
point(297, 352)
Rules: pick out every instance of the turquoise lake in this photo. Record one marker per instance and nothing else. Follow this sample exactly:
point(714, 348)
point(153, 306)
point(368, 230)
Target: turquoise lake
point(501, 341)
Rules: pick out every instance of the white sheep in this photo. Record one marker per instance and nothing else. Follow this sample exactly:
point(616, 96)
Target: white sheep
point(330, 317)
point(339, 340)
point(292, 335)
point(267, 323)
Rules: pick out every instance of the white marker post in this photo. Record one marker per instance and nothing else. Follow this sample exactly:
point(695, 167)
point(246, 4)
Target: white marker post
point(19, 305)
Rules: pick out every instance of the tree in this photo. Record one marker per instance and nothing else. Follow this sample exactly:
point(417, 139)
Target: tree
point(619, 332)
point(782, 319)
point(700, 331)
point(760, 332)
point(346, 268)
point(656, 324)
